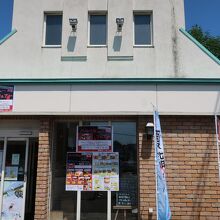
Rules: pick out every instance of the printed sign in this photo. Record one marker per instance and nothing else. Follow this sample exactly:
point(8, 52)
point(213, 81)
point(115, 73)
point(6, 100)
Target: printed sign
point(94, 139)
point(105, 169)
point(6, 98)
point(92, 172)
point(79, 172)
point(15, 159)
point(11, 173)
point(12, 207)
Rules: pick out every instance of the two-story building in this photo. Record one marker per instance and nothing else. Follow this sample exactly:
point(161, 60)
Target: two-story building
point(70, 63)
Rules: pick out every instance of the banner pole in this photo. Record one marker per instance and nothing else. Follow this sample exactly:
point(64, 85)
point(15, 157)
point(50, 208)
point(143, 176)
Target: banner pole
point(78, 209)
point(217, 143)
point(155, 160)
point(109, 205)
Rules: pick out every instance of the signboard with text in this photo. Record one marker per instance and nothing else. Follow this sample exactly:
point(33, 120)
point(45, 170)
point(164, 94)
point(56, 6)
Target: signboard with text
point(92, 171)
point(6, 98)
point(94, 139)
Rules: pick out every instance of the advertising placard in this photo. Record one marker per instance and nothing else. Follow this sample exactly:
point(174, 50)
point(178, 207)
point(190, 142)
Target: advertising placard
point(79, 172)
point(12, 205)
point(94, 139)
point(105, 169)
point(6, 98)
point(92, 172)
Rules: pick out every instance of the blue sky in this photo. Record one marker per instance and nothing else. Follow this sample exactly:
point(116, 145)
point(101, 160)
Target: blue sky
point(205, 13)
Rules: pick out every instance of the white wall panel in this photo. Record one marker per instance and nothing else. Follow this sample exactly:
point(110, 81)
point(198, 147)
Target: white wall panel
point(38, 99)
point(116, 99)
point(189, 99)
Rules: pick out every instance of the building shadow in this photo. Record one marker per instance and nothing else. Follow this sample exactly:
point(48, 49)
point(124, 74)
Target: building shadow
point(71, 43)
point(117, 43)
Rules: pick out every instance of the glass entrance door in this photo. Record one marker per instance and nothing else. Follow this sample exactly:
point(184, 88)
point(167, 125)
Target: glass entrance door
point(13, 179)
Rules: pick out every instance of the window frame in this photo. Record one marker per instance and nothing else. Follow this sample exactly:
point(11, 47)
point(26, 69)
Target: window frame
point(147, 13)
point(93, 13)
point(46, 13)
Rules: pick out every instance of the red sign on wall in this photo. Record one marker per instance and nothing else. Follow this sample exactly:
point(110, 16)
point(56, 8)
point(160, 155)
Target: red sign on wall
point(6, 98)
point(94, 139)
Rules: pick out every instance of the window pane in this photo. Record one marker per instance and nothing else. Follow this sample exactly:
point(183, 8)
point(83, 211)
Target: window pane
point(97, 29)
point(142, 29)
point(53, 29)
point(124, 134)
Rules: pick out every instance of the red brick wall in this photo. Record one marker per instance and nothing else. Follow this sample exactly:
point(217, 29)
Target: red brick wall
point(43, 168)
point(191, 166)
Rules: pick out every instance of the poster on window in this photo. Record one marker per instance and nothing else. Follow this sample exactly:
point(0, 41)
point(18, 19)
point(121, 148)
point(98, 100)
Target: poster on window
point(79, 172)
point(105, 170)
point(92, 172)
point(6, 98)
point(12, 204)
point(11, 173)
point(94, 139)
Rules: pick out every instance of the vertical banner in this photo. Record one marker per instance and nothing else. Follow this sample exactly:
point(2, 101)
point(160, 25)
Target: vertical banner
point(6, 98)
point(163, 208)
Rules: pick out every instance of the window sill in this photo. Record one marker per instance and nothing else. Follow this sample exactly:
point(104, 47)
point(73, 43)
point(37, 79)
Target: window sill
point(143, 46)
point(51, 46)
point(97, 46)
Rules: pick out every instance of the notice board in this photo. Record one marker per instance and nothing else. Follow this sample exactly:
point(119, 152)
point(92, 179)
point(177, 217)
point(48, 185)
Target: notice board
point(94, 139)
point(92, 171)
point(6, 98)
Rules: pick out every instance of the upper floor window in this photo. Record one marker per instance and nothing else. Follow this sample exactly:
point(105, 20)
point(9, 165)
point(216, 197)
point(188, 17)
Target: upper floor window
point(98, 29)
point(53, 29)
point(142, 29)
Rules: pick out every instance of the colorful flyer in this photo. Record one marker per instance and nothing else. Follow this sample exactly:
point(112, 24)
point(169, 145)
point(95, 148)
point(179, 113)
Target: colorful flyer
point(79, 172)
point(92, 172)
point(105, 170)
point(11, 173)
point(94, 139)
point(12, 207)
point(6, 98)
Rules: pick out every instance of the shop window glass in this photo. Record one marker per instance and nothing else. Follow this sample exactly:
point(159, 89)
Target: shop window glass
point(93, 204)
point(124, 136)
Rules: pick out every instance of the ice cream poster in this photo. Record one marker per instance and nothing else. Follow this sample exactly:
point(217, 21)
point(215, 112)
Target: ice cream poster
point(105, 170)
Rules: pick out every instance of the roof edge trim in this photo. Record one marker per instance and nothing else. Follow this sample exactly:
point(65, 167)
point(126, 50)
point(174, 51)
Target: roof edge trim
point(111, 81)
point(189, 36)
point(7, 36)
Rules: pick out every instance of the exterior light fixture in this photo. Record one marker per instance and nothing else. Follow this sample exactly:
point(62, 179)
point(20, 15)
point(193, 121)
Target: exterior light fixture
point(119, 22)
point(73, 23)
point(149, 129)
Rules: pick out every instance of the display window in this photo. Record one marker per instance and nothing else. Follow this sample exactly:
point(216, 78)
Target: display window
point(95, 172)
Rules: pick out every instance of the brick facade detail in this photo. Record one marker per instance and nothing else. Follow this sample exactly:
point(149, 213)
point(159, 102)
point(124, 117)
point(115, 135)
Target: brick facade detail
point(191, 167)
point(43, 171)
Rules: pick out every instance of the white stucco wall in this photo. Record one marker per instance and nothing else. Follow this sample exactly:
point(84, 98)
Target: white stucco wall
point(172, 54)
point(116, 99)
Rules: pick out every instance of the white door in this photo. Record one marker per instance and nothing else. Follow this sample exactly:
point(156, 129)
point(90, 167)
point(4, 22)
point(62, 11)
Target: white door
point(13, 177)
